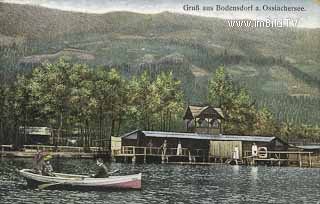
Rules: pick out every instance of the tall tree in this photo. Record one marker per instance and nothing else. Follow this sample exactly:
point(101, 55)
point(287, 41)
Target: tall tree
point(221, 89)
point(50, 89)
point(171, 99)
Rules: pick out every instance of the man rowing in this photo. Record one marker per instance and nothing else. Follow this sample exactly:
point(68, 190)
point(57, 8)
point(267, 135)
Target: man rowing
point(103, 171)
point(47, 169)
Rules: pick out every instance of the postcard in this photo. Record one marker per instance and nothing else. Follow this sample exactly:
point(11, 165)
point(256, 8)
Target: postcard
point(137, 101)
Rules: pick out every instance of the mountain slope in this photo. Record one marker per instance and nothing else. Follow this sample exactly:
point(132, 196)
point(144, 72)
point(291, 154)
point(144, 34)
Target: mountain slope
point(280, 64)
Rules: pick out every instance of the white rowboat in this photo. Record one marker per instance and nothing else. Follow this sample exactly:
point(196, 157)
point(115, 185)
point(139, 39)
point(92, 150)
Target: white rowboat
point(81, 181)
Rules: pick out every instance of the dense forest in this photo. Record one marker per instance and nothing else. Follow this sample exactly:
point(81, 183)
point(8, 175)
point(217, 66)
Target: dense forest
point(99, 103)
point(95, 102)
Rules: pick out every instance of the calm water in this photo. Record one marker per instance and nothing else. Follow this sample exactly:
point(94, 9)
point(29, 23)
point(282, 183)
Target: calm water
point(172, 184)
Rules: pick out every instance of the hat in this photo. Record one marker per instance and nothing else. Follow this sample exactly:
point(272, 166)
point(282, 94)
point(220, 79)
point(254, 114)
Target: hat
point(47, 157)
point(99, 162)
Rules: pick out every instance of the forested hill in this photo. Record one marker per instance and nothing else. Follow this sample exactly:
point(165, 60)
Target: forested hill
point(42, 23)
point(280, 67)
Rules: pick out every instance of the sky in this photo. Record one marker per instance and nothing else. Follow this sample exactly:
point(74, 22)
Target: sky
point(309, 18)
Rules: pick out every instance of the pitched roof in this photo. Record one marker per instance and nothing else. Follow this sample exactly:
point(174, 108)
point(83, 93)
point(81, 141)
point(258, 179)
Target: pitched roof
point(197, 136)
point(131, 135)
point(198, 110)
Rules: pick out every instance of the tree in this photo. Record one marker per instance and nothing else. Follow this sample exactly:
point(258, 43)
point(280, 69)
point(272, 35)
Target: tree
point(221, 90)
point(155, 104)
point(142, 100)
point(264, 124)
point(170, 99)
point(241, 116)
point(50, 90)
point(117, 100)
point(81, 100)
point(23, 104)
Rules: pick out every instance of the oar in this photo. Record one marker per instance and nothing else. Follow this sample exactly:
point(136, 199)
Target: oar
point(46, 185)
point(115, 171)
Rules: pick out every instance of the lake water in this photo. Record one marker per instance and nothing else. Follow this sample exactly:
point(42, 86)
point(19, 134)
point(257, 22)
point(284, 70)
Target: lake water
point(172, 184)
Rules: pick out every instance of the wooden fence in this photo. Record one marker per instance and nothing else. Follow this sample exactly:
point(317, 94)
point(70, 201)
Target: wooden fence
point(157, 151)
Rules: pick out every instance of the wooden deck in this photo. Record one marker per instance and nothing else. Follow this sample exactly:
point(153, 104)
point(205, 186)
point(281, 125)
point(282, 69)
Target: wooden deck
point(201, 156)
point(29, 151)
point(302, 159)
point(170, 154)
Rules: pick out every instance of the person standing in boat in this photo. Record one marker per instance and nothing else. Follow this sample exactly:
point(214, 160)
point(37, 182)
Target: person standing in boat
point(103, 171)
point(38, 162)
point(47, 169)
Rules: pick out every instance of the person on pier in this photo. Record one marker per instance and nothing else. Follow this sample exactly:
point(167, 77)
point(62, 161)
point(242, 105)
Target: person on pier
point(150, 145)
point(179, 148)
point(254, 150)
point(236, 153)
point(164, 148)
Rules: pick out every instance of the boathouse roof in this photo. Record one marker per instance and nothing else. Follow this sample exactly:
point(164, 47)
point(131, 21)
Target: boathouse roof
point(41, 131)
point(309, 147)
point(134, 134)
point(193, 112)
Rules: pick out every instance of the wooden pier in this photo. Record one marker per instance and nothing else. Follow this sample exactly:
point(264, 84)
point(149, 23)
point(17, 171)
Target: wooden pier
point(156, 154)
point(170, 155)
point(280, 158)
point(200, 156)
point(29, 151)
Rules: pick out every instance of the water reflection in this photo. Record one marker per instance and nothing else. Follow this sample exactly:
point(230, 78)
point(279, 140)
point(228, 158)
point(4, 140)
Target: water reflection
point(235, 169)
point(173, 184)
point(254, 173)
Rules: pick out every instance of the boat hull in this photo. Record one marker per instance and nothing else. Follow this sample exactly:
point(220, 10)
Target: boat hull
point(69, 181)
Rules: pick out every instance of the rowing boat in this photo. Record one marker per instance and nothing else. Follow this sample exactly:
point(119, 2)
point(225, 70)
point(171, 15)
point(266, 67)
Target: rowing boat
point(72, 181)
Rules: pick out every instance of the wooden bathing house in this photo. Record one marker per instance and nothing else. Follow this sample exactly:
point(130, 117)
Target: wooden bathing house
point(204, 119)
point(146, 146)
point(225, 148)
point(203, 141)
point(36, 135)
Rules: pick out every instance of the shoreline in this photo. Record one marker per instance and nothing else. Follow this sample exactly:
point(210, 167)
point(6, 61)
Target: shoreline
point(82, 155)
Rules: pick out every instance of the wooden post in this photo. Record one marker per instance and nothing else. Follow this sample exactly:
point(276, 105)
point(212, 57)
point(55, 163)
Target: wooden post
point(145, 154)
point(310, 162)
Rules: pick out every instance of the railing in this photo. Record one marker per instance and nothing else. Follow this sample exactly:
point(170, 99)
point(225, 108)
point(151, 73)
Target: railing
point(289, 156)
point(279, 154)
point(6, 147)
point(50, 148)
point(157, 151)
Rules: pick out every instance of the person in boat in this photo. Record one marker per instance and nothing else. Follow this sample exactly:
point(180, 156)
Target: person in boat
point(38, 162)
point(103, 171)
point(47, 169)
